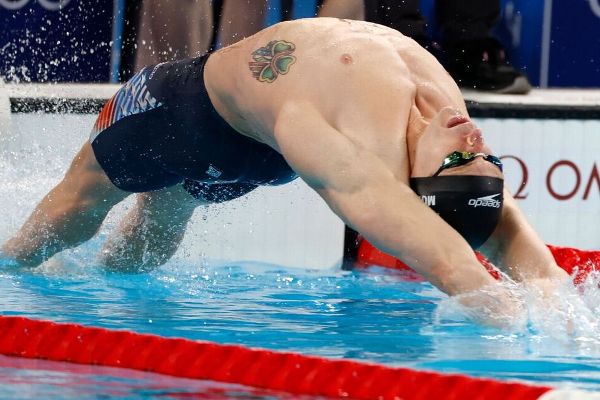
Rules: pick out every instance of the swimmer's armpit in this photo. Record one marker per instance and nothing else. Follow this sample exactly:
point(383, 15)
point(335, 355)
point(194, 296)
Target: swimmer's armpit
point(272, 60)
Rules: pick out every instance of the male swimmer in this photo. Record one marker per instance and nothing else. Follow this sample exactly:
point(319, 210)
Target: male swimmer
point(368, 118)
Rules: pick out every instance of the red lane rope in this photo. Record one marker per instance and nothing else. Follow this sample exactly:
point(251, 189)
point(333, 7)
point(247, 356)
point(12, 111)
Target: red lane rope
point(288, 372)
point(578, 263)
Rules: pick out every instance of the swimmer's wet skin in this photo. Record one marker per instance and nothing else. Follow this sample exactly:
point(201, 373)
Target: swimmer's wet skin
point(355, 120)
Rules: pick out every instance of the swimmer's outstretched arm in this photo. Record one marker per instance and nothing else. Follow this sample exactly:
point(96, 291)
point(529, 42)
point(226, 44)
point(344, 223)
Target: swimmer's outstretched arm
point(364, 191)
point(517, 249)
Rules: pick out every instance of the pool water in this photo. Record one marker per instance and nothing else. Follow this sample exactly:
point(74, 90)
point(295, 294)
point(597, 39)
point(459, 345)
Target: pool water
point(373, 315)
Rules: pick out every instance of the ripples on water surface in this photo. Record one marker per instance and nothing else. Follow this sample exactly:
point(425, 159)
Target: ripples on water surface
point(373, 315)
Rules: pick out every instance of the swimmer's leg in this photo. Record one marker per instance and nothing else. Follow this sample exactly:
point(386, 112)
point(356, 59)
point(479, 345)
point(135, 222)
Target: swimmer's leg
point(151, 232)
point(68, 215)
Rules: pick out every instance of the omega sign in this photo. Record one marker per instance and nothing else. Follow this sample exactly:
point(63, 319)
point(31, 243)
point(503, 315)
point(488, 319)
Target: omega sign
point(50, 5)
point(583, 183)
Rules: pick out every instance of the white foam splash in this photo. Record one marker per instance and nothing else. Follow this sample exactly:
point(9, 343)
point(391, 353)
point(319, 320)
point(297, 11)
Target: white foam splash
point(565, 317)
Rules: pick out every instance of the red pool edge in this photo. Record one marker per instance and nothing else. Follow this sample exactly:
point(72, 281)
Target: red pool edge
point(282, 371)
point(359, 253)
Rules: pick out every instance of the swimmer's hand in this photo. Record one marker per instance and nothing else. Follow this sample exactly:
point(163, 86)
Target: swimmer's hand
point(496, 306)
point(553, 306)
point(558, 307)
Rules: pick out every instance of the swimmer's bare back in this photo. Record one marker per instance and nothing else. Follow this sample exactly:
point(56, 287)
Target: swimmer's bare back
point(342, 68)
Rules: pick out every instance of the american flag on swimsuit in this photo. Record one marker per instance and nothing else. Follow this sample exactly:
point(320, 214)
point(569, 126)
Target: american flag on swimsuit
point(132, 98)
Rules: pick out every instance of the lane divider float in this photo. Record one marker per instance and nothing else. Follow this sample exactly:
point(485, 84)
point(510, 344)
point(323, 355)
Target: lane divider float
point(266, 369)
point(577, 263)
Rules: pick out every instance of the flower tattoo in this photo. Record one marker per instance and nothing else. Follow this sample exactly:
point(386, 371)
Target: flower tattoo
point(272, 60)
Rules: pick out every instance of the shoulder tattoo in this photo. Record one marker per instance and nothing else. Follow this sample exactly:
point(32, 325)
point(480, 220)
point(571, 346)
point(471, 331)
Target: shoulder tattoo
point(272, 60)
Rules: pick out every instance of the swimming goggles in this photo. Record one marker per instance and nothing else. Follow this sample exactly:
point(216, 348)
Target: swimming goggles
point(458, 158)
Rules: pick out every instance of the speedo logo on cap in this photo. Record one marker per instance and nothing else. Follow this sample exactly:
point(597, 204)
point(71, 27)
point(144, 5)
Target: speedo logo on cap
point(486, 201)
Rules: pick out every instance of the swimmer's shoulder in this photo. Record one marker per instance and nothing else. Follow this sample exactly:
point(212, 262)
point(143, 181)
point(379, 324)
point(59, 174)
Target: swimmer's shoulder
point(320, 34)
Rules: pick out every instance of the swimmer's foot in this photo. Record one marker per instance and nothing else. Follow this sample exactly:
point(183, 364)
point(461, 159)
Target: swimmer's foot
point(482, 65)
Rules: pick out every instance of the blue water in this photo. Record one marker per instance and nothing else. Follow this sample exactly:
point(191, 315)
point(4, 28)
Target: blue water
point(373, 315)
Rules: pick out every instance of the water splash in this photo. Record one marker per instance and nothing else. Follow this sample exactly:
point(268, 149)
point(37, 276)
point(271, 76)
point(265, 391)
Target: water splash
point(561, 320)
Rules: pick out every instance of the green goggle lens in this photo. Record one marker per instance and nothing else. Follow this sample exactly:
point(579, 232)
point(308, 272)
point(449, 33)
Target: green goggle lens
point(458, 158)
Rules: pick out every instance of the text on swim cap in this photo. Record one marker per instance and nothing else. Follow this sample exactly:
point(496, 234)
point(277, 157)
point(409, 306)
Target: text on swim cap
point(428, 200)
point(487, 201)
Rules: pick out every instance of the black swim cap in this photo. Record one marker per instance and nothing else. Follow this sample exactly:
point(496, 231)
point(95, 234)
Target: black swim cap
point(470, 204)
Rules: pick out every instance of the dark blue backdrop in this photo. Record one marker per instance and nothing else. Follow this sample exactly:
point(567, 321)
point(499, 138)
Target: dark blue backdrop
point(73, 42)
point(575, 46)
point(574, 42)
point(42, 41)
